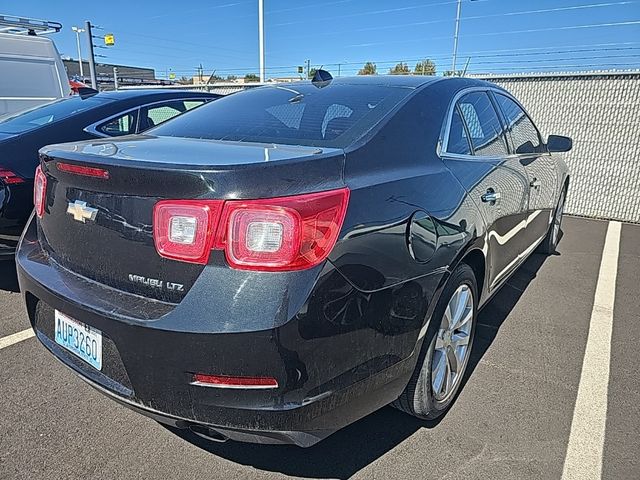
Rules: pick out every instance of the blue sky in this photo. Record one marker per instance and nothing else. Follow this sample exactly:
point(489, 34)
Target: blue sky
point(222, 35)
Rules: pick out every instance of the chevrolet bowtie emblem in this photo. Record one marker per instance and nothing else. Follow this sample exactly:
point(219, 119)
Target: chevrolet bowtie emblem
point(81, 212)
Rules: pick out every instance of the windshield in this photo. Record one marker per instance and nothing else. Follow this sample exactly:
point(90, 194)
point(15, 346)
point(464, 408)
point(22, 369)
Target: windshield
point(26, 120)
point(299, 114)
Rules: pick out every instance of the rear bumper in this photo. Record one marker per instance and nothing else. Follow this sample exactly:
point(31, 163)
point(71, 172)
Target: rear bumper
point(329, 374)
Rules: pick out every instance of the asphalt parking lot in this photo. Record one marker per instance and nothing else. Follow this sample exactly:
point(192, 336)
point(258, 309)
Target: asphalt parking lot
point(513, 418)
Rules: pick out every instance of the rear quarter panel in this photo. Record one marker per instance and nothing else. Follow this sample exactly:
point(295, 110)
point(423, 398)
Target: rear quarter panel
point(408, 223)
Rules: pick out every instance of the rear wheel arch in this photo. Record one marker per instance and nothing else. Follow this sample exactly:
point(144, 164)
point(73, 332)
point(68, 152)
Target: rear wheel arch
point(477, 261)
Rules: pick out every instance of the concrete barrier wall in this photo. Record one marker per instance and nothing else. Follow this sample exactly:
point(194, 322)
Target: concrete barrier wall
point(601, 112)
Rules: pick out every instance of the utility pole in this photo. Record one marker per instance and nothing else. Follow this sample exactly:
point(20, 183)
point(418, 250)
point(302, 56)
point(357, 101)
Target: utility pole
point(261, 35)
point(308, 68)
point(92, 60)
point(115, 77)
point(338, 69)
point(78, 31)
point(455, 39)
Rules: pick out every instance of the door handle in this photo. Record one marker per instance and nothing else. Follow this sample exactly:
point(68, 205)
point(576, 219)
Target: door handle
point(491, 196)
point(535, 183)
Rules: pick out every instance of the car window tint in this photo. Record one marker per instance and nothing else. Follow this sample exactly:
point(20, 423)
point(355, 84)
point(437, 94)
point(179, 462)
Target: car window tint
point(189, 104)
point(523, 132)
point(48, 113)
point(153, 115)
point(483, 124)
point(336, 118)
point(458, 142)
point(290, 114)
point(296, 114)
point(122, 125)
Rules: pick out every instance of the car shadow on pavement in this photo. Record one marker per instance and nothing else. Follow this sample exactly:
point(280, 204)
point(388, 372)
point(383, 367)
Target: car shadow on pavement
point(8, 276)
point(349, 450)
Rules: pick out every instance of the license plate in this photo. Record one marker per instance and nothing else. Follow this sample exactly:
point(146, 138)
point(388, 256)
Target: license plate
point(80, 339)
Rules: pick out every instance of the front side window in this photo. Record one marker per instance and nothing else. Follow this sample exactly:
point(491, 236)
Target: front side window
point(523, 132)
point(159, 113)
point(483, 125)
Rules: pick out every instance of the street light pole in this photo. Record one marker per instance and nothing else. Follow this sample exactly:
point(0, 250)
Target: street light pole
point(261, 34)
point(78, 31)
point(455, 39)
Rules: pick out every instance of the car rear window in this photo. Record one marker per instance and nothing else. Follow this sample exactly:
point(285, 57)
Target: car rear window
point(299, 114)
point(26, 120)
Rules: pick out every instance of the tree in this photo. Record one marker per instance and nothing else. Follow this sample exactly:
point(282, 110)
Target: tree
point(185, 81)
point(231, 78)
point(400, 69)
point(426, 67)
point(251, 77)
point(368, 69)
point(312, 72)
point(450, 73)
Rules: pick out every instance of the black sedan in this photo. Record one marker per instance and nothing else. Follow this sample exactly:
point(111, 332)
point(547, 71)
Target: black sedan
point(84, 117)
point(276, 265)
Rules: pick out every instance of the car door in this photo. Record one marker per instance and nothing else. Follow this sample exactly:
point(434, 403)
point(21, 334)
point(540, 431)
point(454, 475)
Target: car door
point(476, 152)
point(541, 169)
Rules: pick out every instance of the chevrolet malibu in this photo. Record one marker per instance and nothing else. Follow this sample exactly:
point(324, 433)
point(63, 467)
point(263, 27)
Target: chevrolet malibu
point(281, 262)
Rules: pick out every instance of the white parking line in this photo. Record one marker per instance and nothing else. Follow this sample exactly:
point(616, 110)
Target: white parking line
point(583, 460)
point(15, 338)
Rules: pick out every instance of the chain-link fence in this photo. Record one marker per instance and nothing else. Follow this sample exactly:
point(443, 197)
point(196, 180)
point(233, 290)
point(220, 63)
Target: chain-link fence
point(601, 112)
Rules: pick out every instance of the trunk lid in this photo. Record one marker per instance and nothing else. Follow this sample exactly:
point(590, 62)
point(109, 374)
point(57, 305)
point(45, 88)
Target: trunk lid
point(102, 228)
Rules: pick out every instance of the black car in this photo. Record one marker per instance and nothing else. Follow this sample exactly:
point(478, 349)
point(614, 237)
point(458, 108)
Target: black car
point(281, 262)
point(82, 117)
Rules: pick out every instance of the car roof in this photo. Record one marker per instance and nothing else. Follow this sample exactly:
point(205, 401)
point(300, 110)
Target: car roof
point(411, 81)
point(151, 93)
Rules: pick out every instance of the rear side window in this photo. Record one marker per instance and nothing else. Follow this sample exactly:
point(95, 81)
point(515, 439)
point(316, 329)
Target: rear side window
point(458, 142)
point(483, 125)
point(524, 134)
point(299, 114)
point(124, 124)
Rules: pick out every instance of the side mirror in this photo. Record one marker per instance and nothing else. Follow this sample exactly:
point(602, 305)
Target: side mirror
point(558, 143)
point(526, 147)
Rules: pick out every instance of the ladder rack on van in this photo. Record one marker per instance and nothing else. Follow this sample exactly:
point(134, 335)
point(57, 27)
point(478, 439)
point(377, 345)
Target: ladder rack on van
point(27, 26)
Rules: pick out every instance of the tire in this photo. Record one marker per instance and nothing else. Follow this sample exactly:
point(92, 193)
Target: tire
point(550, 242)
point(422, 397)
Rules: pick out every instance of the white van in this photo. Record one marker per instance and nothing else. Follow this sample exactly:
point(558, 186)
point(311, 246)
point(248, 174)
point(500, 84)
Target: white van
point(31, 71)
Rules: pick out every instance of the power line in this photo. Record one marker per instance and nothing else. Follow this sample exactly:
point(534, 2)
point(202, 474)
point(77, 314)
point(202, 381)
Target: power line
point(374, 12)
point(477, 17)
point(531, 30)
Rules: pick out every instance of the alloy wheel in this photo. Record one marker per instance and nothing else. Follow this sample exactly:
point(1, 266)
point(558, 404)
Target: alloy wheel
point(452, 343)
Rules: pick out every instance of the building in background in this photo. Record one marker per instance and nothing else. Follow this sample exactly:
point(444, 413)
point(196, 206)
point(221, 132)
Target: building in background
point(127, 75)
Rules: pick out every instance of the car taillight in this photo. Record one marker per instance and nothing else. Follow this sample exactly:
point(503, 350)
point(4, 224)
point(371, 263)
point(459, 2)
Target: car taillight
point(9, 177)
point(39, 191)
point(184, 229)
point(276, 234)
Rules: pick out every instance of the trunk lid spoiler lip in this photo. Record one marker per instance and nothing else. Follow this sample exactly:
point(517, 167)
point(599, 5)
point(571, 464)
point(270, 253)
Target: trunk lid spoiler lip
point(144, 151)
